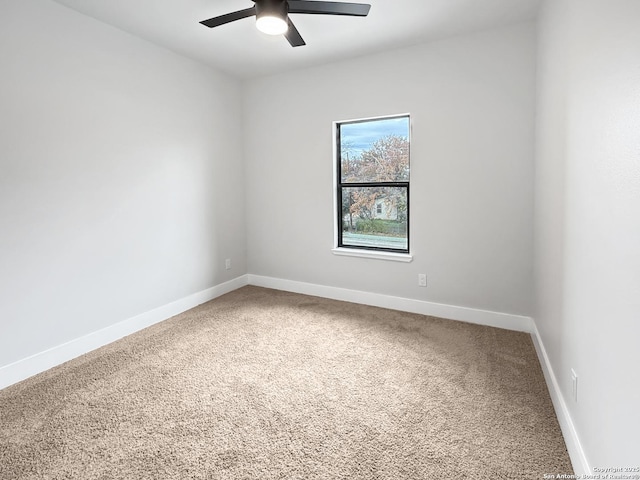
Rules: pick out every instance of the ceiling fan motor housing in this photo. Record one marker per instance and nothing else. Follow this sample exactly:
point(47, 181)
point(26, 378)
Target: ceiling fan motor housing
point(272, 8)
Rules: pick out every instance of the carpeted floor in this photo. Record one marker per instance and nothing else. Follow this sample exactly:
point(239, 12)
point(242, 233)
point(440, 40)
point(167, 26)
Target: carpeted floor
point(262, 384)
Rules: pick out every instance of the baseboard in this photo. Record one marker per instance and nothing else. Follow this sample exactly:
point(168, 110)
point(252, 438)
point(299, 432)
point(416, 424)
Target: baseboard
point(471, 315)
point(572, 440)
point(27, 367)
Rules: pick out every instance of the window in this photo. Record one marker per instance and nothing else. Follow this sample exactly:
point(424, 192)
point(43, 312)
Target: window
point(372, 184)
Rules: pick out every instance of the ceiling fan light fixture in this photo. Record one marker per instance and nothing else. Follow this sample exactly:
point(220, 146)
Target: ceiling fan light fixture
point(271, 25)
point(271, 16)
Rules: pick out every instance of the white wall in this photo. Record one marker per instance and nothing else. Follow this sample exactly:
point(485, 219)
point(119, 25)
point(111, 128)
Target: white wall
point(588, 218)
point(472, 103)
point(121, 179)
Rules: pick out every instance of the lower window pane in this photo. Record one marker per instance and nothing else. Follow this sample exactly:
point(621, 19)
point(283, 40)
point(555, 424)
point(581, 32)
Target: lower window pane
point(374, 217)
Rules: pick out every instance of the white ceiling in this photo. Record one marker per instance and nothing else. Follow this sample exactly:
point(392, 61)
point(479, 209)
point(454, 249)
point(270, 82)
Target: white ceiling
point(240, 50)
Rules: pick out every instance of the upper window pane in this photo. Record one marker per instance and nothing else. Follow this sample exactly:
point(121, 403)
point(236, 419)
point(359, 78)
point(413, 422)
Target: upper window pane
point(375, 150)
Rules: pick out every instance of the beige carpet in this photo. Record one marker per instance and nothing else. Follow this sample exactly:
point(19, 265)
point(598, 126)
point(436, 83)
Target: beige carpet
point(261, 384)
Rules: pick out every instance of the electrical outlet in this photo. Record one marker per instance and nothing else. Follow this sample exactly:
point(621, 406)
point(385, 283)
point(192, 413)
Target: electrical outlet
point(574, 385)
point(227, 264)
point(422, 279)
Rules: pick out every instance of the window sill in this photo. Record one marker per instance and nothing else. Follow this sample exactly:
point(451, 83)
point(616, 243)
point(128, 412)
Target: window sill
point(353, 252)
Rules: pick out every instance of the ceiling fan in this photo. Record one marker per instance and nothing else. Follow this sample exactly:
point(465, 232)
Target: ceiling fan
point(272, 16)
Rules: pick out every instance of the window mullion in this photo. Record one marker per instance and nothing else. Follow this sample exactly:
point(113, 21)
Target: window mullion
point(373, 184)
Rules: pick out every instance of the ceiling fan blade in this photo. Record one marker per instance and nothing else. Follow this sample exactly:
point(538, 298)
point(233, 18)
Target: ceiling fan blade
point(293, 35)
point(229, 17)
point(329, 8)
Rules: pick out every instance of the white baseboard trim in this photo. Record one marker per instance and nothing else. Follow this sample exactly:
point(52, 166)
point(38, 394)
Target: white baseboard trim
point(27, 367)
point(572, 440)
point(471, 315)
